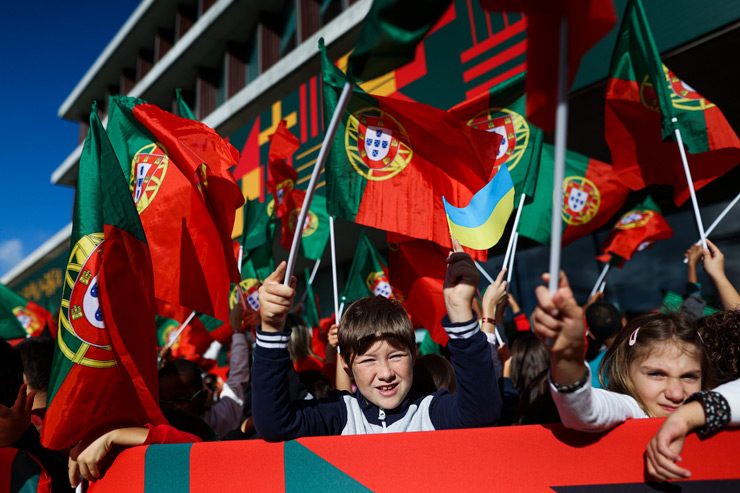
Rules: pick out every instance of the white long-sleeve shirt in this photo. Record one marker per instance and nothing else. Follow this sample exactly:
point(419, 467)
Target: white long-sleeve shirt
point(226, 414)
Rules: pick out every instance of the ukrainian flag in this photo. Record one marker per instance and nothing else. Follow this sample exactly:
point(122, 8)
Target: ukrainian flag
point(481, 224)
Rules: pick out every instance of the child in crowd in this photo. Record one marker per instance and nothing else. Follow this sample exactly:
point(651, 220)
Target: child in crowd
point(656, 362)
point(378, 348)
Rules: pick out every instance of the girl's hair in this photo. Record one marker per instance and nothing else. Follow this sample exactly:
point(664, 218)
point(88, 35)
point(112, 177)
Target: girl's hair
point(529, 358)
point(721, 334)
point(299, 345)
point(655, 330)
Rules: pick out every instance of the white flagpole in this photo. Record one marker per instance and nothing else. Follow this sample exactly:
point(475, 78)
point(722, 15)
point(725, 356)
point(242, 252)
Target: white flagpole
point(483, 271)
point(513, 230)
point(331, 130)
point(603, 286)
point(176, 335)
point(598, 281)
point(561, 140)
point(334, 269)
point(511, 263)
point(686, 170)
point(309, 281)
point(717, 221)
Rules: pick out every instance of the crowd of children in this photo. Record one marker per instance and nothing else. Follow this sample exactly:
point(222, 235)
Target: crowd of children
point(587, 367)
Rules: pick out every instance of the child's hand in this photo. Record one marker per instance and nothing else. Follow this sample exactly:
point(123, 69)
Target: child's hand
point(662, 451)
point(333, 335)
point(713, 261)
point(460, 284)
point(693, 254)
point(14, 421)
point(494, 295)
point(558, 321)
point(276, 300)
point(83, 460)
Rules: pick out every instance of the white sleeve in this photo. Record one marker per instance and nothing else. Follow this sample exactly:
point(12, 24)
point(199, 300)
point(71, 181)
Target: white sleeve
point(594, 410)
point(731, 392)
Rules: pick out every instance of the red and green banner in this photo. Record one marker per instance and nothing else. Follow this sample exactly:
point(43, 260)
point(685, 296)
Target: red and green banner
point(454, 460)
point(179, 178)
point(592, 195)
point(417, 268)
point(587, 22)
point(104, 373)
point(390, 35)
point(646, 103)
point(368, 275)
point(636, 231)
point(20, 317)
point(315, 228)
point(391, 161)
point(501, 110)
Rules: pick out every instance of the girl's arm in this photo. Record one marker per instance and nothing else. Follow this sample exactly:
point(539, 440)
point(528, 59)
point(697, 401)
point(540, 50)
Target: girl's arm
point(714, 266)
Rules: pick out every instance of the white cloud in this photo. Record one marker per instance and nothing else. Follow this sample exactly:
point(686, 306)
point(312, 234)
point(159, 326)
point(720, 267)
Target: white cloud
point(11, 252)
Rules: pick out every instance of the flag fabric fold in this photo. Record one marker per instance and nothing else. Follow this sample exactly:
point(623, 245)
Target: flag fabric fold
point(481, 223)
point(392, 161)
point(186, 198)
point(104, 372)
point(645, 103)
point(282, 176)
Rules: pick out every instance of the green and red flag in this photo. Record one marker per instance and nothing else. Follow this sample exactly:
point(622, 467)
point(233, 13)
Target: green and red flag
point(315, 228)
point(186, 197)
point(21, 472)
point(104, 373)
point(390, 34)
point(20, 317)
point(592, 194)
point(646, 103)
point(587, 22)
point(636, 231)
point(391, 161)
point(258, 226)
point(368, 275)
point(501, 110)
point(281, 175)
point(182, 107)
point(418, 269)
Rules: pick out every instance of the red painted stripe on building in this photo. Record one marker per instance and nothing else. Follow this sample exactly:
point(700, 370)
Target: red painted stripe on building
point(496, 80)
point(496, 39)
point(413, 70)
point(488, 23)
point(314, 107)
point(472, 23)
point(495, 61)
point(446, 18)
point(302, 115)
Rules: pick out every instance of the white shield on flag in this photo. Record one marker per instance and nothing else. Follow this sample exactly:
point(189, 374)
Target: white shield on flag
point(377, 142)
point(577, 199)
point(504, 141)
point(382, 289)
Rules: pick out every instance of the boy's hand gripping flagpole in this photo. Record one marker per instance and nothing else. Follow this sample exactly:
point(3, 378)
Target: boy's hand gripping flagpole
point(561, 139)
point(679, 141)
point(328, 137)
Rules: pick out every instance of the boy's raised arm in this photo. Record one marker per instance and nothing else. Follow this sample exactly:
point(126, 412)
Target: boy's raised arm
point(460, 284)
point(276, 300)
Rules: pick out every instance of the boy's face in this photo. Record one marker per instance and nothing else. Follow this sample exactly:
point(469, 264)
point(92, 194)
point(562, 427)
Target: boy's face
point(383, 374)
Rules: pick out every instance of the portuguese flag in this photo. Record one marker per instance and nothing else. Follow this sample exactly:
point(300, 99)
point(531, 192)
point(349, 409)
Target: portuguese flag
point(501, 110)
point(104, 374)
point(592, 194)
point(418, 270)
point(258, 227)
point(368, 275)
point(390, 34)
point(636, 231)
point(391, 161)
point(179, 178)
point(315, 228)
point(282, 176)
point(588, 22)
point(20, 317)
point(643, 97)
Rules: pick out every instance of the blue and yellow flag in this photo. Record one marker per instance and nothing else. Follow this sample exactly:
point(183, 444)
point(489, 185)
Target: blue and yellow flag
point(481, 224)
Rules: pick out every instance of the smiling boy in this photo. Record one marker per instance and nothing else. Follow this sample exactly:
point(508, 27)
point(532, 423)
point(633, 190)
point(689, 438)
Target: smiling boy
point(378, 349)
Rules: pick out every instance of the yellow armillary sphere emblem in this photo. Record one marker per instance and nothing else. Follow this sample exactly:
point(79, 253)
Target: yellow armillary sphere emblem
point(683, 96)
point(513, 129)
point(148, 168)
point(377, 144)
point(82, 335)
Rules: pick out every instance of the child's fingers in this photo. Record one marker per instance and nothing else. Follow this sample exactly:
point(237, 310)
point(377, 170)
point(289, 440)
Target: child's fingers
point(500, 276)
point(545, 301)
point(29, 402)
point(547, 321)
point(21, 399)
point(456, 246)
point(279, 274)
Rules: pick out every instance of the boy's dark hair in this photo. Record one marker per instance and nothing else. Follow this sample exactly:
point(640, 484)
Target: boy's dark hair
point(374, 318)
point(721, 336)
point(11, 374)
point(603, 319)
point(37, 354)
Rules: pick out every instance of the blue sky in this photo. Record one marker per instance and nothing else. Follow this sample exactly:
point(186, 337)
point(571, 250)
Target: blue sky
point(45, 49)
